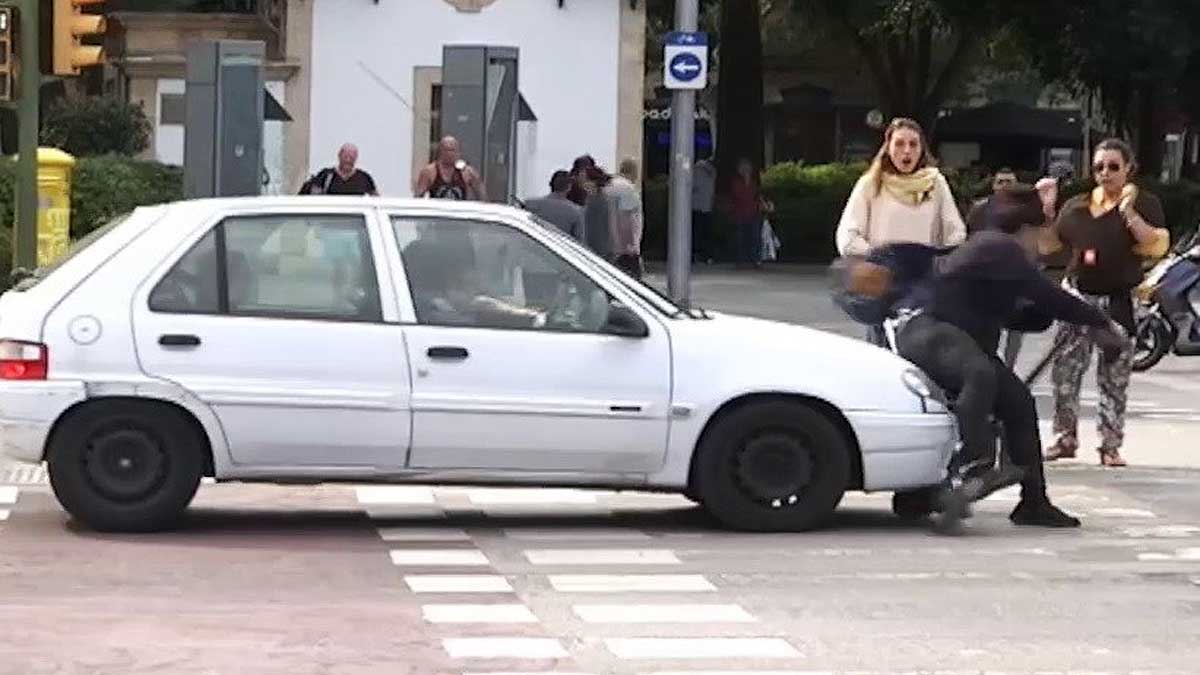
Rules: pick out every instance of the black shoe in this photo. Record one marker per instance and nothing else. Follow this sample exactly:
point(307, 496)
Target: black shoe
point(955, 500)
point(1041, 513)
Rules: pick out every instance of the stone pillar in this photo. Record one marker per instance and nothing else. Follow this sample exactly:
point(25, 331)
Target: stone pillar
point(631, 85)
point(298, 102)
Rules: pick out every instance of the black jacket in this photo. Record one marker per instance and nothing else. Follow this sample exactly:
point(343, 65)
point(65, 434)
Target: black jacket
point(989, 283)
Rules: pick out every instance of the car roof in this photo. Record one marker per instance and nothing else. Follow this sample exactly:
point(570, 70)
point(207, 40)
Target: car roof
point(445, 206)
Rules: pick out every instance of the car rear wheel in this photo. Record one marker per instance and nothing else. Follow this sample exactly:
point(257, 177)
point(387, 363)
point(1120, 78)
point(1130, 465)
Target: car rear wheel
point(773, 466)
point(126, 466)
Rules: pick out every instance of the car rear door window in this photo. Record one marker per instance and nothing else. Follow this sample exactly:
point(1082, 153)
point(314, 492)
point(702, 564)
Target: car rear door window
point(283, 266)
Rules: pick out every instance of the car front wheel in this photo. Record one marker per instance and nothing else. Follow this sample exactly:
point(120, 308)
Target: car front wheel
point(773, 466)
point(126, 466)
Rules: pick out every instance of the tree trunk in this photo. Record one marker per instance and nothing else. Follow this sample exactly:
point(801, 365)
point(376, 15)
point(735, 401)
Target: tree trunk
point(1149, 132)
point(740, 88)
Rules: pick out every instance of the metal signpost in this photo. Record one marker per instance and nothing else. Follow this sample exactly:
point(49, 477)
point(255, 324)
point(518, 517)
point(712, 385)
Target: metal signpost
point(685, 65)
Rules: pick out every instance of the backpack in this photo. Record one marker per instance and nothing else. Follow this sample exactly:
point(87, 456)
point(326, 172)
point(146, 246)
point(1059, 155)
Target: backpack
point(316, 185)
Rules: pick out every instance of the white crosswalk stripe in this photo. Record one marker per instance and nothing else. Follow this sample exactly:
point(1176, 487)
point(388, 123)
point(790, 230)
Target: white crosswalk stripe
point(585, 556)
point(505, 613)
point(457, 583)
point(631, 583)
point(8, 494)
point(439, 558)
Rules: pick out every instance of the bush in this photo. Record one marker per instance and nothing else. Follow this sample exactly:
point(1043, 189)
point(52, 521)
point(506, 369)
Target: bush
point(809, 201)
point(101, 188)
point(96, 125)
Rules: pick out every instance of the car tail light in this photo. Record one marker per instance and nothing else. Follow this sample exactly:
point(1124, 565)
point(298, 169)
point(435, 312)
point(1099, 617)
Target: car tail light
point(23, 360)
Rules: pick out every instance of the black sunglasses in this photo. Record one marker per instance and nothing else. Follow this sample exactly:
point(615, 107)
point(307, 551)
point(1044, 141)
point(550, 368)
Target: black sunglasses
point(1112, 167)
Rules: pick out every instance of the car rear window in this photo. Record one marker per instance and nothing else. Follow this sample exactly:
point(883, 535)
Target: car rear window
point(76, 248)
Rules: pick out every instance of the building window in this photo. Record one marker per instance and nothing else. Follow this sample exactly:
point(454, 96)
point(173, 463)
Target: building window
point(172, 109)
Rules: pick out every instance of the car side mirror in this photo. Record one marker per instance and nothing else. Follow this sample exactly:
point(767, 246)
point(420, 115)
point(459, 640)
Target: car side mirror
point(624, 322)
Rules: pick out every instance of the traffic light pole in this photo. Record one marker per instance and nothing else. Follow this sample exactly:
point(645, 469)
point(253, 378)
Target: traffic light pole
point(28, 122)
point(683, 127)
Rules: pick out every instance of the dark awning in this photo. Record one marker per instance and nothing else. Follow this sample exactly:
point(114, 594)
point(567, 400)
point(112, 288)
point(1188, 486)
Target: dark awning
point(525, 113)
point(272, 110)
point(1012, 120)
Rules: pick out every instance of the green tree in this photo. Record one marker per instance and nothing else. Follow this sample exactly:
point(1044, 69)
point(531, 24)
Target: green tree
point(917, 51)
point(88, 126)
point(1137, 55)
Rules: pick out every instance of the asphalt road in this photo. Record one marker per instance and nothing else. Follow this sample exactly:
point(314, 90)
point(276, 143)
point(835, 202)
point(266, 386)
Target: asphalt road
point(338, 580)
point(343, 580)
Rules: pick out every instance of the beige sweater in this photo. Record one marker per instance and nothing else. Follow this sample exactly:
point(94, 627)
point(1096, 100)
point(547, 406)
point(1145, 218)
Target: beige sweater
point(870, 220)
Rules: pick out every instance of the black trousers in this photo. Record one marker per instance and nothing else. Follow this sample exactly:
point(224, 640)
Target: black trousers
point(630, 264)
point(982, 386)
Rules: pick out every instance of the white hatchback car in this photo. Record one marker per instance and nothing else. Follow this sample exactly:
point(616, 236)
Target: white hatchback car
point(322, 339)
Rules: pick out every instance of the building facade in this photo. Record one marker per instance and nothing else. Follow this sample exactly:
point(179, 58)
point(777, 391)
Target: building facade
point(368, 72)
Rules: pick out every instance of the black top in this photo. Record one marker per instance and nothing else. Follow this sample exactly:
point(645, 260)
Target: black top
point(330, 182)
point(1103, 261)
point(455, 188)
point(985, 283)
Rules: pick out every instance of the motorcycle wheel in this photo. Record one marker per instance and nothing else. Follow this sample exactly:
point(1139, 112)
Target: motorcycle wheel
point(1152, 340)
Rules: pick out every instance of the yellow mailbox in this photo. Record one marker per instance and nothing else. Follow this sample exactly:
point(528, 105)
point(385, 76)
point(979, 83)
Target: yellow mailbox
point(54, 204)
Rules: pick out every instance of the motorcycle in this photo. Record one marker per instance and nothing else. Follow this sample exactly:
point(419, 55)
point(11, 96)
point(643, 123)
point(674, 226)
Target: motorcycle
point(1167, 309)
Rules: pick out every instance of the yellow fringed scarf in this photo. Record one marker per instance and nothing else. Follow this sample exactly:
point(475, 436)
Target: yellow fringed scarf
point(913, 188)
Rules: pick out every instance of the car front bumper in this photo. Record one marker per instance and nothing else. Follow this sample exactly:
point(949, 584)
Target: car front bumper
point(28, 411)
point(904, 450)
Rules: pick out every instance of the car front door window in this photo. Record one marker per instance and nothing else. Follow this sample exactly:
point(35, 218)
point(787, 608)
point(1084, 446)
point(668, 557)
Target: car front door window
point(486, 275)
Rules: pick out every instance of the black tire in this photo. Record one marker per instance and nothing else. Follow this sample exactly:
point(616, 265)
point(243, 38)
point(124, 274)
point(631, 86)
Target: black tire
point(126, 466)
point(915, 504)
point(776, 466)
point(1152, 341)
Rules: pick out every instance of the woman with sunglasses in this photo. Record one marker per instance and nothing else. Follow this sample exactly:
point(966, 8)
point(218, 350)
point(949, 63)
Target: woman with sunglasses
point(1108, 233)
point(902, 198)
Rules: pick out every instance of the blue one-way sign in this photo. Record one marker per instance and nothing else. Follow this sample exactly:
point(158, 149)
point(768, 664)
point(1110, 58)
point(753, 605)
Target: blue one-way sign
point(685, 59)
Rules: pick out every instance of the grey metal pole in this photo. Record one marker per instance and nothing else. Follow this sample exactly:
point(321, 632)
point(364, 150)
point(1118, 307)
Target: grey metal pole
point(683, 126)
point(28, 113)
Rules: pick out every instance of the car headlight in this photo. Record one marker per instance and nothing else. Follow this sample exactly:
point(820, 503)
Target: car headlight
point(933, 399)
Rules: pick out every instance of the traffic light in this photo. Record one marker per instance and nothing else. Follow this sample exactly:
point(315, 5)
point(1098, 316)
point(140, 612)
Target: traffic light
point(8, 20)
point(71, 26)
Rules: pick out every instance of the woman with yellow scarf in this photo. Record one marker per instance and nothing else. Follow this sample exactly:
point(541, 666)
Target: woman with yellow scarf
point(902, 197)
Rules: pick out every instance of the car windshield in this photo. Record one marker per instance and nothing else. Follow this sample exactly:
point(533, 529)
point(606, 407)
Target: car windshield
point(643, 290)
point(76, 248)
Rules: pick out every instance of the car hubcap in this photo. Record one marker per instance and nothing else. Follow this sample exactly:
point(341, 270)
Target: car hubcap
point(124, 464)
point(773, 469)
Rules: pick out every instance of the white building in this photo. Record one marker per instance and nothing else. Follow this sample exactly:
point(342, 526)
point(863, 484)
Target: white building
point(369, 71)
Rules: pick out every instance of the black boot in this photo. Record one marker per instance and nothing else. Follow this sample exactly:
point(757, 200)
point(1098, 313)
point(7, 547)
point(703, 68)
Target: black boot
point(1039, 512)
point(1035, 509)
point(971, 486)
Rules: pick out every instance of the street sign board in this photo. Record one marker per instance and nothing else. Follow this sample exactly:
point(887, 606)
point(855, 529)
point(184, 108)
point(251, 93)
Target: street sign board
point(685, 60)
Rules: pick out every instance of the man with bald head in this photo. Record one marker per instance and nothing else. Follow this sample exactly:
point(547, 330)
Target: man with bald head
point(449, 177)
point(343, 179)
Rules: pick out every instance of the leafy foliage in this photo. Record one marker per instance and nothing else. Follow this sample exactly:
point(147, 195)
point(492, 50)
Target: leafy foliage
point(917, 51)
point(92, 126)
point(102, 188)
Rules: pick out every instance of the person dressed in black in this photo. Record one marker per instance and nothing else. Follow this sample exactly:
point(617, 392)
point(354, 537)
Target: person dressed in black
point(951, 306)
point(343, 179)
point(449, 177)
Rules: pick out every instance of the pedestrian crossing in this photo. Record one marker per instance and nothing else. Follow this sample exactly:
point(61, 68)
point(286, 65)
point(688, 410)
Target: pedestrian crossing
point(640, 600)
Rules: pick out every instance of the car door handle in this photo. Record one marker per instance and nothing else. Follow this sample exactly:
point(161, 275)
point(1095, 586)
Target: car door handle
point(449, 353)
point(178, 340)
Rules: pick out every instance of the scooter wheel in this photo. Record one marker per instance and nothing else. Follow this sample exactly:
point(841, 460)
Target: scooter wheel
point(1151, 342)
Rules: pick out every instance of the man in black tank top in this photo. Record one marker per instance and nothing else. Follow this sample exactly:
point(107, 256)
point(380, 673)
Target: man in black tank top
point(448, 177)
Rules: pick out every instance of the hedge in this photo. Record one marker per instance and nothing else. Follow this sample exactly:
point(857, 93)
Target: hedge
point(809, 202)
point(101, 188)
